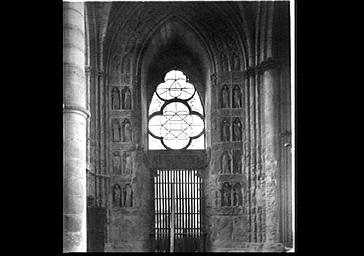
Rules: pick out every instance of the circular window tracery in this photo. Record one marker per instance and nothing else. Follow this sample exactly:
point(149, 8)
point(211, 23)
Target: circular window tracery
point(176, 117)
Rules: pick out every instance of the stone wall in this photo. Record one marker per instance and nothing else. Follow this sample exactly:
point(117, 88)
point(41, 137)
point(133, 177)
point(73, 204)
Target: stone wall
point(252, 159)
point(130, 194)
point(245, 166)
point(129, 224)
point(227, 219)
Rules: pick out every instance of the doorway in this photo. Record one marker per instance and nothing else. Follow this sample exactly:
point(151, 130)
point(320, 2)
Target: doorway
point(96, 223)
point(178, 223)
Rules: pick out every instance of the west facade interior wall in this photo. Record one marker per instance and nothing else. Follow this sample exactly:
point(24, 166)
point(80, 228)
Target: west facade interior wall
point(244, 57)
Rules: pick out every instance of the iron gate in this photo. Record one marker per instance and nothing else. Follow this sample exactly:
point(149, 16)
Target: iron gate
point(178, 211)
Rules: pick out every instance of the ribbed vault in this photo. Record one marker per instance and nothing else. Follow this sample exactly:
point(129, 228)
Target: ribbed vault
point(174, 44)
point(215, 26)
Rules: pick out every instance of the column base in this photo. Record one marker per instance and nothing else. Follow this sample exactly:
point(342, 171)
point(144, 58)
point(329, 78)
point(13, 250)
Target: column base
point(73, 242)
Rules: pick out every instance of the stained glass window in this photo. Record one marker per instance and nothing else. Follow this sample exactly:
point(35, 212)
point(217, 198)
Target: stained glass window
point(176, 118)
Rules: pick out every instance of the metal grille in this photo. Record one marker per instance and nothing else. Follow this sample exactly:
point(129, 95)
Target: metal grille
point(178, 218)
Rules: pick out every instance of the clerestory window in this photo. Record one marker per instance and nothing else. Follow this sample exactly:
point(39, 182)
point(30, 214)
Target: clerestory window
point(176, 116)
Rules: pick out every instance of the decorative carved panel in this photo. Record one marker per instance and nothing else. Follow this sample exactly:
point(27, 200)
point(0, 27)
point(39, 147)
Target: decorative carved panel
point(237, 100)
point(116, 130)
point(116, 163)
point(226, 194)
point(237, 195)
point(128, 164)
point(235, 62)
point(237, 129)
point(115, 98)
point(224, 62)
point(225, 130)
point(127, 199)
point(225, 97)
point(226, 163)
point(126, 98)
point(116, 196)
point(122, 196)
point(127, 130)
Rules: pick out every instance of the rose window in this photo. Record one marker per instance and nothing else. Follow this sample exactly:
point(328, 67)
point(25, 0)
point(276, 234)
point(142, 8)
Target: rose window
point(176, 118)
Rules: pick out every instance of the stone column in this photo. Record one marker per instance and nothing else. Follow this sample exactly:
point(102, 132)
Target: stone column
point(252, 154)
point(102, 125)
point(75, 116)
point(271, 144)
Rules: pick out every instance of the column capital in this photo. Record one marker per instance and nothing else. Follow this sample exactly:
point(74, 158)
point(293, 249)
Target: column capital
point(251, 71)
point(88, 68)
point(101, 73)
point(268, 64)
point(95, 71)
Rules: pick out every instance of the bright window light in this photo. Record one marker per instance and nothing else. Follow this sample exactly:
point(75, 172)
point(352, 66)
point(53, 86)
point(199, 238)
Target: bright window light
point(176, 119)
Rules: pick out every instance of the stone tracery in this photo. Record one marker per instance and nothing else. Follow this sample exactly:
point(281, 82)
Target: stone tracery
point(180, 118)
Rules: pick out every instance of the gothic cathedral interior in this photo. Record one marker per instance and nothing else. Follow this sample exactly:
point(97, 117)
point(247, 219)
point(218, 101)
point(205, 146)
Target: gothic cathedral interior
point(177, 126)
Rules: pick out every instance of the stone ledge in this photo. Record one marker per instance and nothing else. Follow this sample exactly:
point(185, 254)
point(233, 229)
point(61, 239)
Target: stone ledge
point(76, 109)
point(251, 247)
point(133, 246)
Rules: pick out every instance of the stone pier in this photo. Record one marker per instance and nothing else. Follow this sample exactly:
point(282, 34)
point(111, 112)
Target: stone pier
point(75, 115)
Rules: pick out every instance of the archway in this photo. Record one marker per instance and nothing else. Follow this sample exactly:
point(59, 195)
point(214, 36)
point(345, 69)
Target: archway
point(173, 40)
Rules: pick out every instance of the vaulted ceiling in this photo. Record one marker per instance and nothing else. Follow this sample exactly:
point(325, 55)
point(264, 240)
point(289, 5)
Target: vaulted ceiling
point(200, 28)
point(141, 29)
